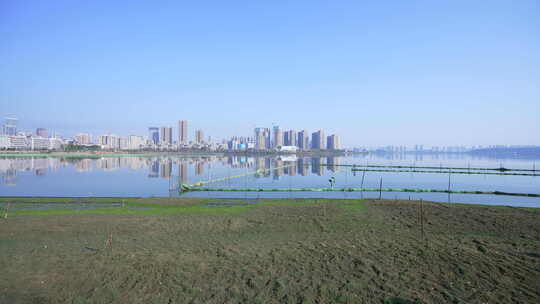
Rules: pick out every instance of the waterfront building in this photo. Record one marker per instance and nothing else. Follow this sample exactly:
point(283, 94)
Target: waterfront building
point(199, 136)
point(83, 139)
point(153, 135)
point(41, 132)
point(290, 138)
point(303, 140)
point(166, 136)
point(278, 137)
point(18, 142)
point(332, 142)
point(39, 143)
point(10, 126)
point(182, 132)
point(4, 142)
point(318, 141)
point(123, 143)
point(135, 142)
point(262, 138)
point(111, 142)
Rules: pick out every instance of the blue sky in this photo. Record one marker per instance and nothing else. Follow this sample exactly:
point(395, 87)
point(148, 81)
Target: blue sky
point(380, 72)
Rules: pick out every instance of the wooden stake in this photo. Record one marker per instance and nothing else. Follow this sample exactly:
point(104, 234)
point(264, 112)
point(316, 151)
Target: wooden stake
point(380, 189)
point(6, 210)
point(422, 216)
point(449, 173)
point(110, 241)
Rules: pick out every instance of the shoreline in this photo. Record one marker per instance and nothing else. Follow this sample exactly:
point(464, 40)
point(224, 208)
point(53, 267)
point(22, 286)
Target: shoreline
point(171, 153)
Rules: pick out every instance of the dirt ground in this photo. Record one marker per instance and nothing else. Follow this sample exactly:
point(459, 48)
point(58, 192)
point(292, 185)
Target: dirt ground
point(281, 251)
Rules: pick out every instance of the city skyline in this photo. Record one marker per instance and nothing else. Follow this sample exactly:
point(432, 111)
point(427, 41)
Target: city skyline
point(263, 139)
point(375, 73)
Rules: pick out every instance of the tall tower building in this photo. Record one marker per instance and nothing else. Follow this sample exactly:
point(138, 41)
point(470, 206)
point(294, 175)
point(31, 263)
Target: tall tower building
point(303, 140)
point(278, 137)
point(332, 142)
point(182, 132)
point(153, 135)
point(199, 136)
point(289, 138)
point(166, 135)
point(262, 138)
point(318, 140)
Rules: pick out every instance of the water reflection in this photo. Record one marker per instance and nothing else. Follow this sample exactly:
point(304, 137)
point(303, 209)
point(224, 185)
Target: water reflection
point(162, 167)
point(144, 176)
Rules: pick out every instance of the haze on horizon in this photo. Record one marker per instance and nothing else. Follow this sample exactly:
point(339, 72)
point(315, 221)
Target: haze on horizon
point(402, 73)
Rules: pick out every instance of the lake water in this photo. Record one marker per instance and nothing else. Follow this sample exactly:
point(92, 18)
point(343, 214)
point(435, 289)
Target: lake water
point(145, 176)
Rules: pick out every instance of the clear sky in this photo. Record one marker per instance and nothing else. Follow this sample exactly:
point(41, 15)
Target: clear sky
point(374, 72)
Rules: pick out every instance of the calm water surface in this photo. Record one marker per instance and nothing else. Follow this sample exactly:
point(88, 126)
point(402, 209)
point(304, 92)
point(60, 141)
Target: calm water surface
point(160, 176)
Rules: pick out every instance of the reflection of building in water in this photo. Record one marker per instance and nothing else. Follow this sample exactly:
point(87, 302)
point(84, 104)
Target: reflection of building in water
point(83, 165)
point(166, 168)
point(332, 163)
point(259, 165)
point(267, 166)
point(108, 163)
point(40, 172)
point(302, 167)
point(199, 168)
point(316, 167)
point(154, 169)
point(9, 177)
point(136, 163)
point(183, 172)
point(290, 168)
point(278, 169)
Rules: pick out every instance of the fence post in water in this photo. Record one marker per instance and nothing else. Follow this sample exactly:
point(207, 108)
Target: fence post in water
point(380, 189)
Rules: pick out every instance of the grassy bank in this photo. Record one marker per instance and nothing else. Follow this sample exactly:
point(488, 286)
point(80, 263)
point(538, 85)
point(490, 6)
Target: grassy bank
point(159, 250)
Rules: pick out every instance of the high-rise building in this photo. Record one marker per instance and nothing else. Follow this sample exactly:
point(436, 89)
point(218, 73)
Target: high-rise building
point(278, 137)
point(10, 126)
point(182, 132)
point(109, 141)
point(318, 141)
point(303, 140)
point(199, 136)
point(41, 132)
point(135, 142)
point(153, 135)
point(290, 138)
point(262, 138)
point(166, 136)
point(332, 142)
point(83, 139)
